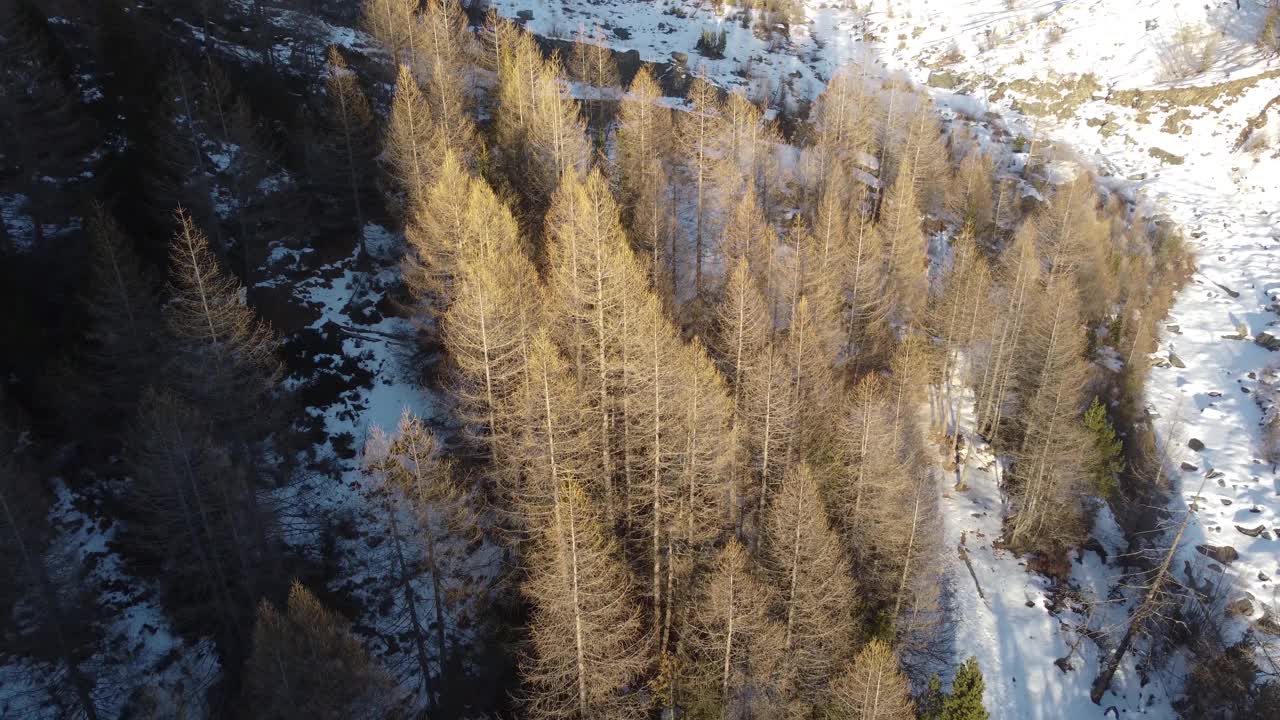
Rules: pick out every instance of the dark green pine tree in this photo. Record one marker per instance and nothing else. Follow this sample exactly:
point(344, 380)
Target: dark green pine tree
point(1107, 460)
point(929, 704)
point(965, 700)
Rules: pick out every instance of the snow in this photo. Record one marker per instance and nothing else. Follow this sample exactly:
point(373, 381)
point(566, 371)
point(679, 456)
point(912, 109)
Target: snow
point(1011, 624)
point(136, 638)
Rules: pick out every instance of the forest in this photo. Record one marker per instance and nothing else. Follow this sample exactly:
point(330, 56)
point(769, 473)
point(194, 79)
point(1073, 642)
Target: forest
point(692, 366)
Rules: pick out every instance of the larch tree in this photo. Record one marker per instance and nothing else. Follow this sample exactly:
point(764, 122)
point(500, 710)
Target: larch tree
point(199, 522)
point(594, 282)
point(393, 23)
point(865, 284)
point(846, 118)
point(969, 194)
point(410, 145)
point(556, 443)
point(747, 235)
point(1074, 239)
point(811, 345)
point(862, 435)
point(729, 617)
point(816, 596)
point(769, 420)
point(436, 231)
point(643, 143)
point(739, 146)
point(253, 161)
point(708, 493)
point(654, 446)
point(227, 357)
point(905, 251)
point(697, 132)
point(742, 327)
point(436, 551)
point(1049, 477)
point(1017, 279)
point(915, 153)
point(176, 169)
point(591, 63)
point(587, 645)
point(344, 155)
point(540, 134)
point(872, 687)
point(487, 329)
point(125, 326)
point(306, 663)
point(740, 335)
point(444, 66)
point(42, 620)
point(955, 316)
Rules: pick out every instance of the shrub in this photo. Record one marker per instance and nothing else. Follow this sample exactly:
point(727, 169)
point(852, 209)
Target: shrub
point(1269, 38)
point(1190, 51)
point(711, 44)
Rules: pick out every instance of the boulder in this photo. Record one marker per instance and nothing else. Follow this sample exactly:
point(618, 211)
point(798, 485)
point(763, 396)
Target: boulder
point(944, 79)
point(680, 59)
point(628, 63)
point(1242, 606)
point(1267, 340)
point(1252, 532)
point(1195, 444)
point(1093, 545)
point(1224, 554)
point(1188, 467)
point(1176, 361)
point(524, 15)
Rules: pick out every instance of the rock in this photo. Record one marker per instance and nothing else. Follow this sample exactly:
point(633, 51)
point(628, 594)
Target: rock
point(1176, 361)
point(1252, 532)
point(1213, 475)
point(1225, 501)
point(943, 79)
point(1215, 394)
point(629, 62)
point(524, 15)
point(680, 59)
point(1188, 467)
point(1224, 554)
point(1175, 329)
point(624, 34)
point(1267, 340)
point(1243, 606)
point(1195, 444)
point(1263, 576)
point(1095, 546)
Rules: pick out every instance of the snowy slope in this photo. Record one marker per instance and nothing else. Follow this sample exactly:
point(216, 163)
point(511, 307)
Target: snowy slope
point(1170, 103)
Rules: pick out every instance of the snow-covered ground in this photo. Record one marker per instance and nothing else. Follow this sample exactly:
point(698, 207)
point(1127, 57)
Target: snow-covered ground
point(1022, 629)
point(1173, 106)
